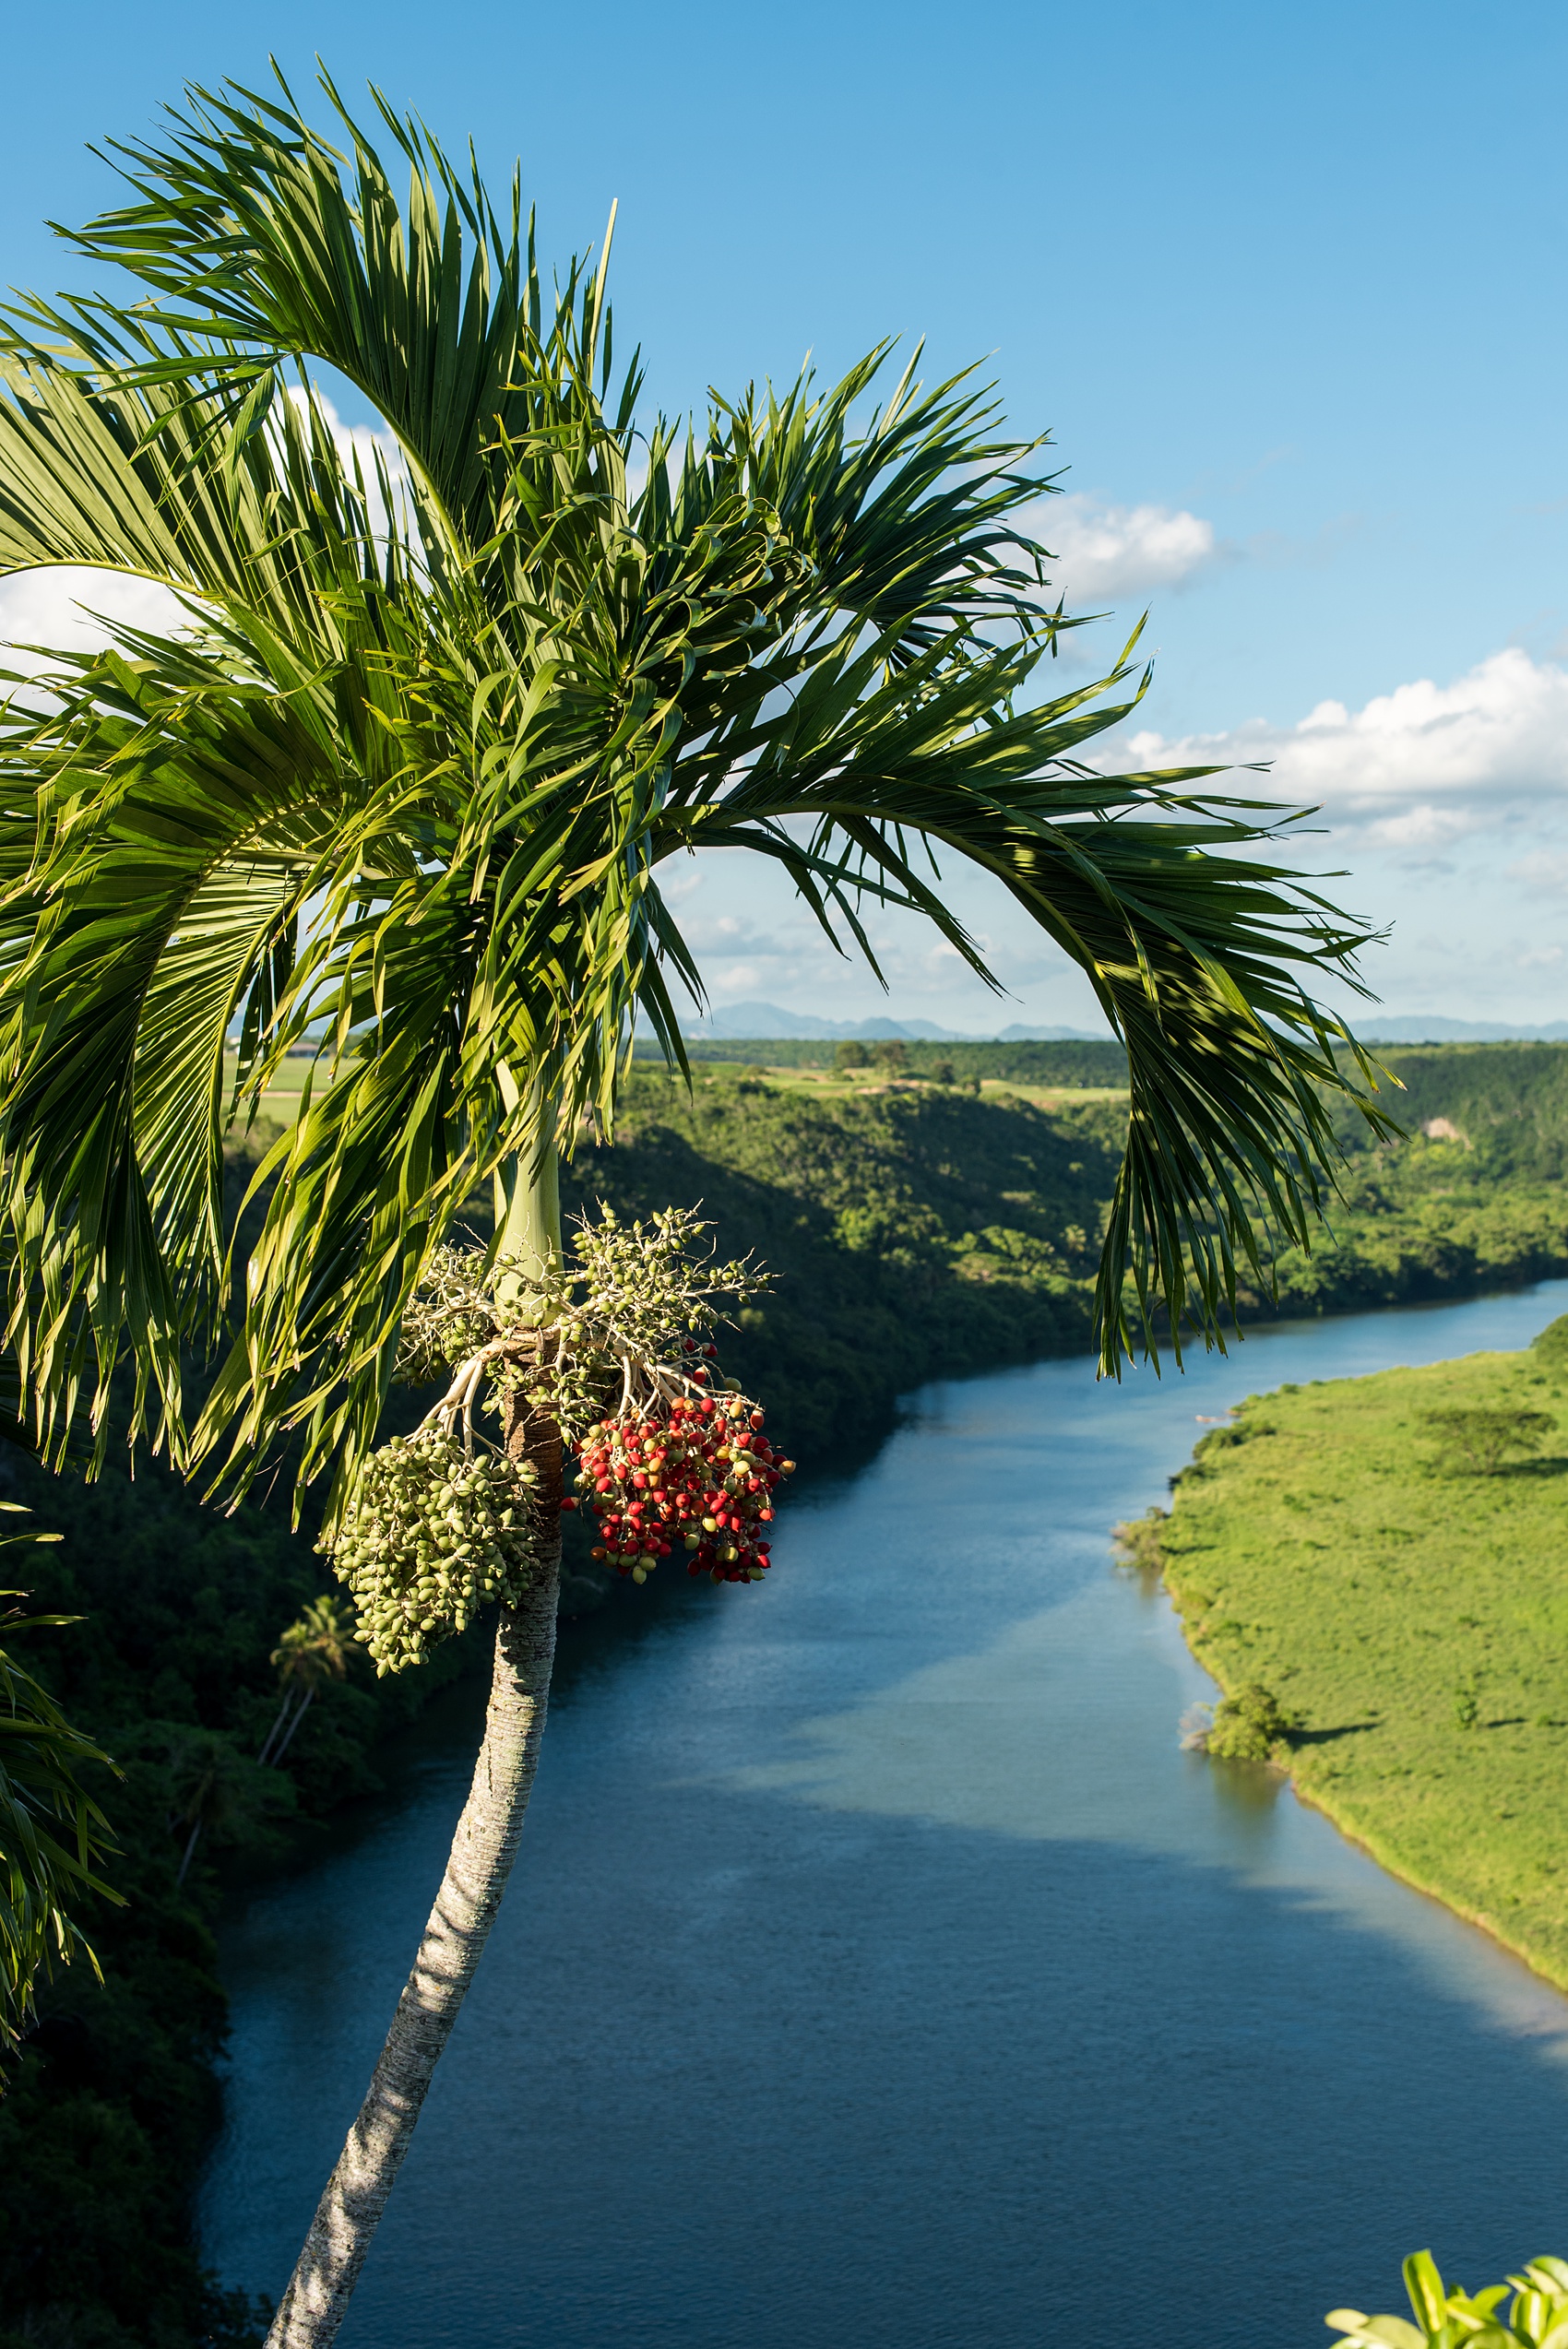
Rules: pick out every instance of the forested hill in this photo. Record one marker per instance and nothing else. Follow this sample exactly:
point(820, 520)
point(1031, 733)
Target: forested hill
point(913, 1232)
point(1069, 1062)
point(921, 1230)
point(1508, 1103)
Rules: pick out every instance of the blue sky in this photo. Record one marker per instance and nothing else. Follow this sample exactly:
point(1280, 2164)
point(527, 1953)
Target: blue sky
point(1288, 288)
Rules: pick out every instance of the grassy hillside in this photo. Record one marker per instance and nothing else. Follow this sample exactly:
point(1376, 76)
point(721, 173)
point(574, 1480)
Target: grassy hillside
point(1342, 1550)
point(1063, 1064)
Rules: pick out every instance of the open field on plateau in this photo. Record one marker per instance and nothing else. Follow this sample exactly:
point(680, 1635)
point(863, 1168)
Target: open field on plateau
point(1410, 1612)
point(1053, 1089)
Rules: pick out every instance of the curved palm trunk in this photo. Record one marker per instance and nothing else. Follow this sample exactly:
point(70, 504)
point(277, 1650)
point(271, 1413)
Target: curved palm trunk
point(288, 1736)
point(284, 1710)
point(190, 1853)
point(482, 1851)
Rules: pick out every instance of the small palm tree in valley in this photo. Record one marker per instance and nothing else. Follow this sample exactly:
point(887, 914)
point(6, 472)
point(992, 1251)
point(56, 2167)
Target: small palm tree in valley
point(312, 1652)
point(399, 793)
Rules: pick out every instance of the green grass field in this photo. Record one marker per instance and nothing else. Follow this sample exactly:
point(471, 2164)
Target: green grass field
point(1324, 1546)
point(282, 1100)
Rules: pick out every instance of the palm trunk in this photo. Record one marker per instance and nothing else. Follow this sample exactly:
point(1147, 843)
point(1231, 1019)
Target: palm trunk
point(482, 1851)
point(190, 1853)
point(282, 1714)
point(288, 1738)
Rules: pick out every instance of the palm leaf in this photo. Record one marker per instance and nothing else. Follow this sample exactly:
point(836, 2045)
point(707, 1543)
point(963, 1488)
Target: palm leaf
point(53, 1837)
point(402, 793)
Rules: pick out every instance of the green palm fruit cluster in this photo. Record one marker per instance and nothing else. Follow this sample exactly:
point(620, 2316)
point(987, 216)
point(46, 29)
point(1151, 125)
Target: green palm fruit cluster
point(431, 1533)
point(451, 1315)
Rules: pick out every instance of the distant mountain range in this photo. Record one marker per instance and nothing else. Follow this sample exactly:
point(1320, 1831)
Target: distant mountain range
point(758, 1021)
point(1426, 1028)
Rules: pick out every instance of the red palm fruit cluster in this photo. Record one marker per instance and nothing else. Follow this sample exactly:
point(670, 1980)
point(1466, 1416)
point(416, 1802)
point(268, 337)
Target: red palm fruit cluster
point(698, 1478)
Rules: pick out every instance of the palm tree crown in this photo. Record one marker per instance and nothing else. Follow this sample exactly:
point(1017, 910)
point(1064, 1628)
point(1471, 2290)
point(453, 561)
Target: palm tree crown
point(402, 789)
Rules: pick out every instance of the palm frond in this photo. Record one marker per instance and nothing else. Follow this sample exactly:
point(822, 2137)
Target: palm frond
point(402, 793)
point(264, 241)
point(53, 1837)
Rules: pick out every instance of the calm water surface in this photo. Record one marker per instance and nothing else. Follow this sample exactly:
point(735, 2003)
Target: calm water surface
point(878, 1973)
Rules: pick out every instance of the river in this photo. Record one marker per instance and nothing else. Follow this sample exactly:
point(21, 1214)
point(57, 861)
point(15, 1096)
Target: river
point(879, 1974)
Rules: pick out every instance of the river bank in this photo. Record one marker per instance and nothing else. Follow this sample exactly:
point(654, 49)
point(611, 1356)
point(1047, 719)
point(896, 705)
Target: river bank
point(1340, 1545)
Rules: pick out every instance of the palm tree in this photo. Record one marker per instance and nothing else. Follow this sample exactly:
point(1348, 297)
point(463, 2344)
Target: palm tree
point(401, 793)
point(312, 1651)
point(53, 1837)
point(214, 1787)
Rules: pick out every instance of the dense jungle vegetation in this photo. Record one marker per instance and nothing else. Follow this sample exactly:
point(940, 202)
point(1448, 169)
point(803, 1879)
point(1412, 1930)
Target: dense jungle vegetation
point(918, 1230)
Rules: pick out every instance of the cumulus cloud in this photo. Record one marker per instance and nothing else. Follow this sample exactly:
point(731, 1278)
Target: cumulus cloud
point(1417, 768)
point(1108, 554)
point(66, 609)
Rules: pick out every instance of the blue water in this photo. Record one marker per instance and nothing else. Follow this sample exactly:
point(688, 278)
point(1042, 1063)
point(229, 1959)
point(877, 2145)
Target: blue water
point(879, 1974)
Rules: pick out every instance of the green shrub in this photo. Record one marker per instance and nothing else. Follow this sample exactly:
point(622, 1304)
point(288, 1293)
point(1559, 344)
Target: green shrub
point(1481, 1438)
point(1138, 1542)
point(1248, 1727)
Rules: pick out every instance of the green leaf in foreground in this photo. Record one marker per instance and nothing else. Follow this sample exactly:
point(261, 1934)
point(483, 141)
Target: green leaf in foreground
point(1536, 2317)
point(53, 1838)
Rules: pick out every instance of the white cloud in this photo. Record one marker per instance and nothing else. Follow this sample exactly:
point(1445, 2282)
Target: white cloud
point(56, 608)
point(1106, 553)
point(63, 608)
point(1544, 874)
point(1424, 827)
point(1417, 766)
